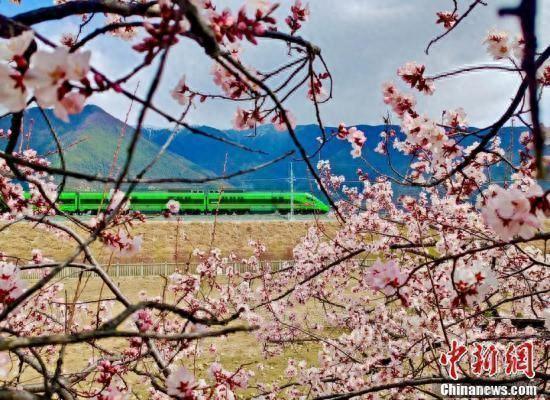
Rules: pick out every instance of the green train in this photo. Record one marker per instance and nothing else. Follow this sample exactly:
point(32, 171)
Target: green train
point(199, 202)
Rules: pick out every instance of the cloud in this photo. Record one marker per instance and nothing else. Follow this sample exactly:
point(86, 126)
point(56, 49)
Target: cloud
point(363, 41)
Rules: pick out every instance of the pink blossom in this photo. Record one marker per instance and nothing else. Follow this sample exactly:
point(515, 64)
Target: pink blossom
point(508, 212)
point(13, 92)
point(447, 18)
point(299, 14)
point(425, 133)
point(497, 44)
point(473, 283)
point(400, 103)
point(526, 139)
point(385, 277)
point(11, 284)
point(455, 118)
point(354, 136)
point(180, 384)
point(116, 198)
point(125, 33)
point(111, 392)
point(355, 152)
point(316, 91)
point(518, 47)
point(543, 74)
point(71, 103)
point(16, 46)
point(143, 320)
point(230, 28)
point(50, 70)
point(37, 256)
point(231, 85)
point(224, 392)
point(357, 139)
point(179, 93)
point(107, 371)
point(68, 39)
point(279, 122)
point(381, 148)
point(131, 245)
point(173, 206)
point(413, 74)
point(123, 243)
point(246, 119)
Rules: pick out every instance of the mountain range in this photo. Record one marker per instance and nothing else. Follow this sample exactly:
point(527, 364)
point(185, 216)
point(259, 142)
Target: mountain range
point(90, 138)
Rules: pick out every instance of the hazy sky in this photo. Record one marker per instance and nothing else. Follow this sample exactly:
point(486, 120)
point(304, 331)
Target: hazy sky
point(363, 41)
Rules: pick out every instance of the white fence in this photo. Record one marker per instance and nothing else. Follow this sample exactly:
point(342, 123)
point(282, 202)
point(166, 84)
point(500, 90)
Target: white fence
point(151, 269)
point(159, 269)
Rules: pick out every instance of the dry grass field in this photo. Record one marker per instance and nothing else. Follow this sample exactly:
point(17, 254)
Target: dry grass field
point(232, 351)
point(162, 240)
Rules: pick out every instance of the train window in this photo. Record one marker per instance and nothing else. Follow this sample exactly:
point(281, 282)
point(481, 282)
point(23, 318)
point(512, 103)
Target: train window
point(90, 201)
point(66, 201)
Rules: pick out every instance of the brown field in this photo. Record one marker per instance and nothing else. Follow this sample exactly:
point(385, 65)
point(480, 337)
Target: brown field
point(163, 240)
point(160, 240)
point(233, 351)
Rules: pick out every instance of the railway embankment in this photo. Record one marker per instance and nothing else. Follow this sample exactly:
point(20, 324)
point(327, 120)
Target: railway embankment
point(164, 240)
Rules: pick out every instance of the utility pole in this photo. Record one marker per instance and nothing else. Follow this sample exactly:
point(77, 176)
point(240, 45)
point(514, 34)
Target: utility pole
point(291, 215)
point(509, 155)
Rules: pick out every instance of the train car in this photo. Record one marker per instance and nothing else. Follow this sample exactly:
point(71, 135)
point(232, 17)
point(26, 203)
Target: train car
point(66, 202)
point(191, 202)
point(92, 202)
point(197, 202)
point(264, 202)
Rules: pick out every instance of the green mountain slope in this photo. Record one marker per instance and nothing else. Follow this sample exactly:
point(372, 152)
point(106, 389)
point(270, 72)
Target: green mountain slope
point(90, 140)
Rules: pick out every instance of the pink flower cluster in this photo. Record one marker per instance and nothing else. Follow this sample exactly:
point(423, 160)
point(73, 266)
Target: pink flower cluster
point(118, 201)
point(472, 283)
point(316, 90)
point(543, 75)
point(227, 26)
point(173, 206)
point(279, 122)
point(299, 14)
point(413, 74)
point(234, 87)
point(512, 212)
point(455, 119)
point(122, 242)
point(354, 136)
point(49, 77)
point(163, 35)
point(179, 93)
point(180, 384)
point(385, 277)
point(499, 45)
point(247, 119)
point(11, 284)
point(447, 18)
point(401, 103)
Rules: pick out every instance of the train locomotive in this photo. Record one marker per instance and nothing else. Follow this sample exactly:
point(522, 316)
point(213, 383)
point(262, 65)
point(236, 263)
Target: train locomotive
point(199, 202)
